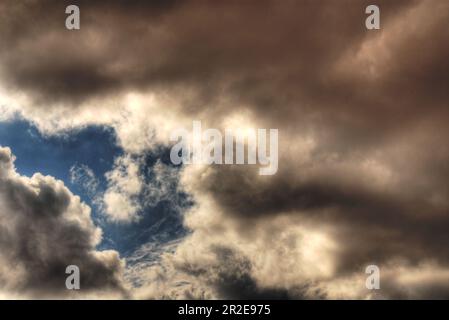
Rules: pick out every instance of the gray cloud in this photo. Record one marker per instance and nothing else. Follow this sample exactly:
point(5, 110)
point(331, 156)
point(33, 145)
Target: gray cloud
point(45, 228)
point(232, 278)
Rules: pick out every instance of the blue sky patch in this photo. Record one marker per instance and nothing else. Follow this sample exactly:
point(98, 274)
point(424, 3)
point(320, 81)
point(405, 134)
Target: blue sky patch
point(94, 147)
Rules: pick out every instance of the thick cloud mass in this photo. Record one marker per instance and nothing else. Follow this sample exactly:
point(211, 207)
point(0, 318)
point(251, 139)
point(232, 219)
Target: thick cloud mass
point(45, 228)
point(362, 115)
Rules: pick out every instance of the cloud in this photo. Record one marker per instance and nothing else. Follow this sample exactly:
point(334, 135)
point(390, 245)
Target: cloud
point(124, 185)
point(45, 228)
point(85, 177)
point(362, 117)
point(136, 183)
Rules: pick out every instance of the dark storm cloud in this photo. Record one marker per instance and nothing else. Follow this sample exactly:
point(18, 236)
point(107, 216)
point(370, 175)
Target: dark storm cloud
point(45, 228)
point(42, 57)
point(294, 63)
point(375, 224)
point(245, 48)
point(232, 278)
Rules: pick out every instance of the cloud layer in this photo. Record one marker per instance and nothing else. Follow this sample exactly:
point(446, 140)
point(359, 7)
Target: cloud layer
point(45, 228)
point(362, 115)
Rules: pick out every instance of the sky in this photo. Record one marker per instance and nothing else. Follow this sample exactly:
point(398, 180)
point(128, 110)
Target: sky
point(86, 176)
